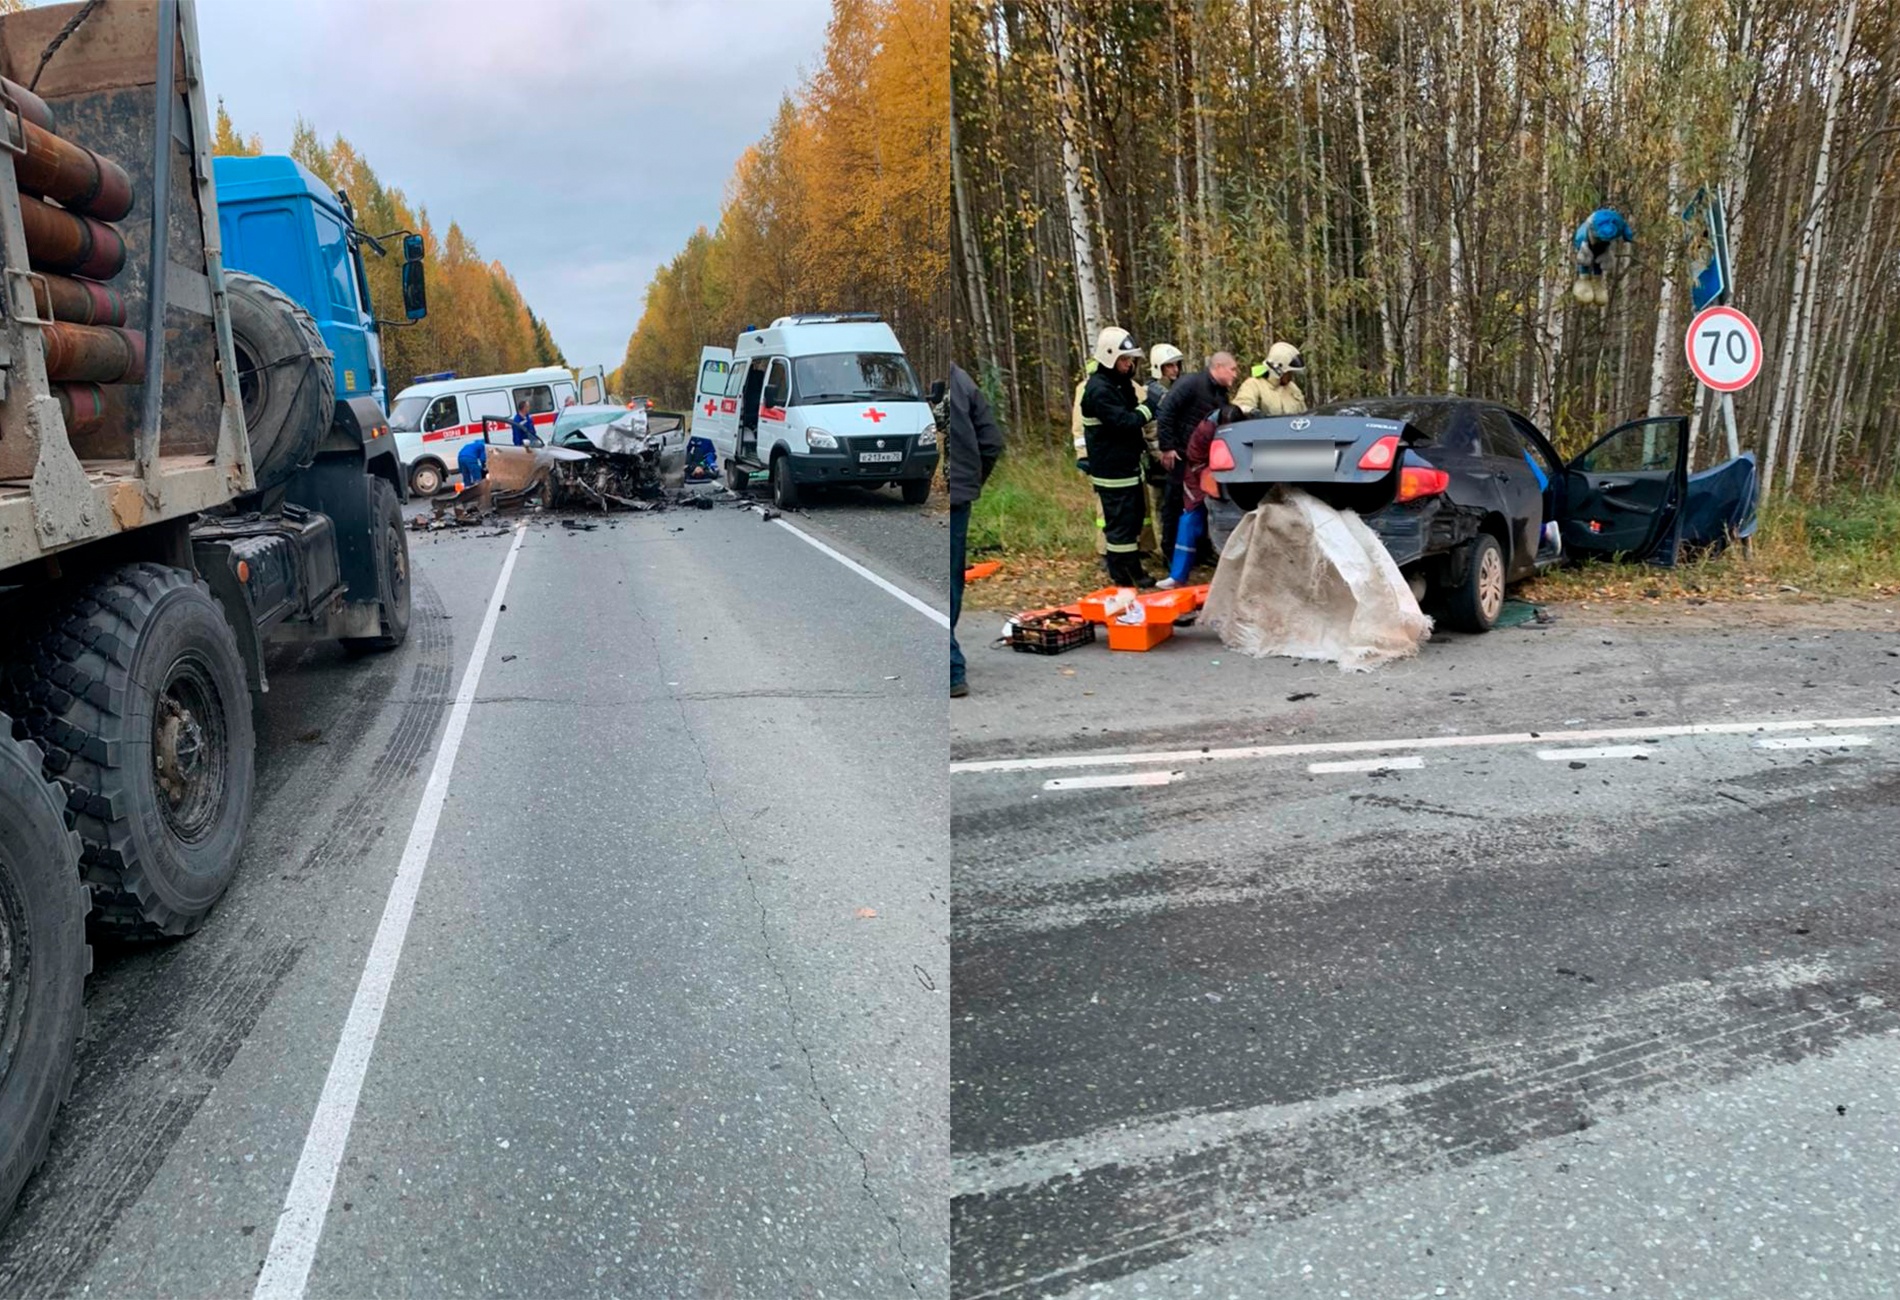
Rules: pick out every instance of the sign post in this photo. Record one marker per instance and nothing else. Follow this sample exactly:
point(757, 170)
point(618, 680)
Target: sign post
point(1714, 281)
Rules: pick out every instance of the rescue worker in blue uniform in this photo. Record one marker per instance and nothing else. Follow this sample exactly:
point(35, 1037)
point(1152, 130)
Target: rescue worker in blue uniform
point(472, 460)
point(523, 425)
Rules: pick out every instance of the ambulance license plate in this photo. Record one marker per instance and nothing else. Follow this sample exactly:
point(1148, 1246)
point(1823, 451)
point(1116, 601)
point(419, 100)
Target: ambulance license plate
point(880, 457)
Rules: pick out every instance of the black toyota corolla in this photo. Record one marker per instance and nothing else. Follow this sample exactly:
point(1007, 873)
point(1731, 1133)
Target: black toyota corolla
point(1461, 491)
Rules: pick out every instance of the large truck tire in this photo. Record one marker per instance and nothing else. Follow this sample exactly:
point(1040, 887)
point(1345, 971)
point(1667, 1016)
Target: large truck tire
point(286, 377)
point(136, 693)
point(391, 542)
point(43, 961)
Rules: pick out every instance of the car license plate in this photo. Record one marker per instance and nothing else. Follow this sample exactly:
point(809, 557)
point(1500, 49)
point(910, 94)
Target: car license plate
point(879, 457)
point(1294, 462)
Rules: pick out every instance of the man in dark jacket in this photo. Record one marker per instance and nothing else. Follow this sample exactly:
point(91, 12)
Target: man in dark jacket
point(975, 445)
point(1191, 400)
point(1114, 414)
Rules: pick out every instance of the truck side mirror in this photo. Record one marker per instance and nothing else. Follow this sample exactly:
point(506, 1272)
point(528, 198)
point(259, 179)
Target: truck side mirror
point(415, 293)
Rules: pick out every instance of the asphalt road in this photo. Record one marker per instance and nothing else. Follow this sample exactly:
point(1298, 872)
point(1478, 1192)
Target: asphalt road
point(908, 541)
point(1517, 1015)
point(670, 1014)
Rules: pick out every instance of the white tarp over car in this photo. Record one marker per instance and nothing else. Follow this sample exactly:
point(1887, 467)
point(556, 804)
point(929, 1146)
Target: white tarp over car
point(1300, 579)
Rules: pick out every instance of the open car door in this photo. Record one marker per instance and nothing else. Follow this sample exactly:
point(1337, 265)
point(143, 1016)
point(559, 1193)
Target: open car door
point(1623, 495)
point(715, 416)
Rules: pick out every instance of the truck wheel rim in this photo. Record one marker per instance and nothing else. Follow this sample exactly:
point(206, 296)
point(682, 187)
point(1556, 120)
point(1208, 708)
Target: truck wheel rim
point(1491, 583)
point(398, 567)
point(427, 481)
point(188, 750)
point(252, 384)
point(13, 966)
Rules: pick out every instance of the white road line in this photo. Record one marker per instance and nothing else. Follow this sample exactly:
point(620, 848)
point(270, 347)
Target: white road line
point(293, 1246)
point(1812, 742)
point(1109, 782)
point(1601, 751)
point(1178, 756)
point(928, 611)
point(1402, 763)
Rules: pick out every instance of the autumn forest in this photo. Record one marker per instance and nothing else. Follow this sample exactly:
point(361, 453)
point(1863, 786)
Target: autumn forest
point(1392, 185)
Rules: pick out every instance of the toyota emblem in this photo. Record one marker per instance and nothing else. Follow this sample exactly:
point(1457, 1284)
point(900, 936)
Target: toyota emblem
point(1299, 424)
point(880, 444)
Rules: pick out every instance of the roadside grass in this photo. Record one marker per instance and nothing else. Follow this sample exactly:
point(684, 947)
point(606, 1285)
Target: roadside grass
point(1037, 515)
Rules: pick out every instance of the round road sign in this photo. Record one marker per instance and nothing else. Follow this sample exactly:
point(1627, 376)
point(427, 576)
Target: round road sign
point(1724, 349)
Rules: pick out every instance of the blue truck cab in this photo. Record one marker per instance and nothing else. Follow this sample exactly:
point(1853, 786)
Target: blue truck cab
point(277, 221)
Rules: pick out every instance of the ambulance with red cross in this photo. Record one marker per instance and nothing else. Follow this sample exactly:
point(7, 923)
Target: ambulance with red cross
point(817, 401)
point(437, 415)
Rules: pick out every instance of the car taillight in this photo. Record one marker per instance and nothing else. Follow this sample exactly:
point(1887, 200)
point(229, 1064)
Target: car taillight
point(1381, 454)
point(1220, 455)
point(1417, 481)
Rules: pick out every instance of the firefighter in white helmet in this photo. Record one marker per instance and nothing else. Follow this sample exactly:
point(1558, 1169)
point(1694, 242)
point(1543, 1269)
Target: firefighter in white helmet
point(1115, 415)
point(1273, 388)
point(1164, 368)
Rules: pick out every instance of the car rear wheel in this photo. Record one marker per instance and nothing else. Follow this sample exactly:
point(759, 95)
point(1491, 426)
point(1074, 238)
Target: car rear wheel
point(916, 491)
point(1475, 603)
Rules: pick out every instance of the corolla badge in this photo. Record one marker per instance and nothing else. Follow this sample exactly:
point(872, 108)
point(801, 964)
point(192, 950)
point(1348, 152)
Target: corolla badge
point(880, 444)
point(1297, 425)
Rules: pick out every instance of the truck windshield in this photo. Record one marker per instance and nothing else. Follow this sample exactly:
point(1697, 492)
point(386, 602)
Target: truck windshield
point(852, 377)
point(406, 415)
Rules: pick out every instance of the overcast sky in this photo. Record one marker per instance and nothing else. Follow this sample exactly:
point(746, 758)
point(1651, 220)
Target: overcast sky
point(578, 141)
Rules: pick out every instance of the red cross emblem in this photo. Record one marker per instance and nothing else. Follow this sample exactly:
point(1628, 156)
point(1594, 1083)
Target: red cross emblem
point(710, 408)
point(874, 415)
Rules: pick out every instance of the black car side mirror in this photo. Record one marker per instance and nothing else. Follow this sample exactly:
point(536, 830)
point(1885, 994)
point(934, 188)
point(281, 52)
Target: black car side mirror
point(415, 293)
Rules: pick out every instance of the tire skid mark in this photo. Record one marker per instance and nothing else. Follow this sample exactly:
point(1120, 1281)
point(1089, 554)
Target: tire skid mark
point(1052, 1229)
point(429, 695)
point(167, 1033)
point(146, 1070)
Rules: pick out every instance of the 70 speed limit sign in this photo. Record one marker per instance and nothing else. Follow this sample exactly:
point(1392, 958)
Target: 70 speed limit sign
point(1724, 349)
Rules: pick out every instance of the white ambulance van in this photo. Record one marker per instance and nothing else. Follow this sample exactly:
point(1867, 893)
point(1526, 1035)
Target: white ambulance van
point(437, 416)
point(817, 400)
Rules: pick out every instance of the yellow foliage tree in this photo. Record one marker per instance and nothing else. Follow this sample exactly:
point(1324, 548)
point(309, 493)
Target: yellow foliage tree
point(844, 205)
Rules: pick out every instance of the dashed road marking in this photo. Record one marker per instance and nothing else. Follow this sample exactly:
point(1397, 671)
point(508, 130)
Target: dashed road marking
point(1600, 751)
point(1174, 757)
point(1812, 742)
point(1400, 763)
point(1109, 782)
